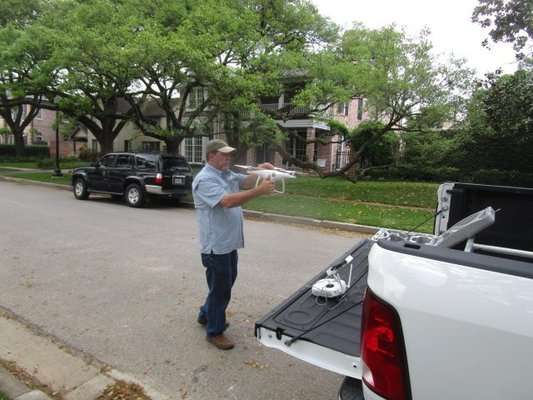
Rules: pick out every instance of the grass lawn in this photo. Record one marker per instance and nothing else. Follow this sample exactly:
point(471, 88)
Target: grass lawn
point(35, 164)
point(399, 205)
point(42, 177)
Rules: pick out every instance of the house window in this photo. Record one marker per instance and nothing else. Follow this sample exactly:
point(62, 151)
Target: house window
point(151, 147)
point(296, 147)
point(262, 154)
point(127, 145)
point(193, 149)
point(39, 114)
point(155, 119)
point(359, 109)
point(342, 109)
point(196, 98)
point(94, 146)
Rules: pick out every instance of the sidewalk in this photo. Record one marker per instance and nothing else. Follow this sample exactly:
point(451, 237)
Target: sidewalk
point(59, 373)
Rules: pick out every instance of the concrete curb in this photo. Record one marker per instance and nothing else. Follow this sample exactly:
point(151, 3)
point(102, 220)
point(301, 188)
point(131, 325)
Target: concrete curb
point(54, 367)
point(317, 223)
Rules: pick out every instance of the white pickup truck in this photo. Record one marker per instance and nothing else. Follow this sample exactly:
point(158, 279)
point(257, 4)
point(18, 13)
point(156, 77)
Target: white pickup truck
point(418, 316)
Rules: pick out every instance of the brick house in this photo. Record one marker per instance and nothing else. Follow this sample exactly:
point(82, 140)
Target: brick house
point(330, 156)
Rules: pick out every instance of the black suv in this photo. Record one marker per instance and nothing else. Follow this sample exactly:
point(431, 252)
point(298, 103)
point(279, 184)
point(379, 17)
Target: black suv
point(134, 176)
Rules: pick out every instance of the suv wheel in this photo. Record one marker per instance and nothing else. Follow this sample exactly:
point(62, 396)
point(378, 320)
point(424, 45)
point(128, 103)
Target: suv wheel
point(80, 189)
point(134, 196)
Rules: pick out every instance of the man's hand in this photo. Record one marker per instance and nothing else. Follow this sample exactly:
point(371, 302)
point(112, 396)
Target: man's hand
point(265, 165)
point(267, 186)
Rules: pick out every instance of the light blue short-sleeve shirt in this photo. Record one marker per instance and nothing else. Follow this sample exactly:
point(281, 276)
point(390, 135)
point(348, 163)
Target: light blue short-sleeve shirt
point(220, 228)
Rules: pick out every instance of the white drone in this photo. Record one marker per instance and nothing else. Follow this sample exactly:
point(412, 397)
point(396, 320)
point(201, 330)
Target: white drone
point(332, 285)
point(276, 175)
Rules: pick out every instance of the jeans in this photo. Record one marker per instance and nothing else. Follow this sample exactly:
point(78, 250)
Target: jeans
point(221, 273)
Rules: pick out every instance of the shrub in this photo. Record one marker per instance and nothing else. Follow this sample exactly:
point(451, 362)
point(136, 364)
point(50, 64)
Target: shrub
point(442, 174)
point(504, 178)
point(7, 152)
point(87, 155)
point(415, 173)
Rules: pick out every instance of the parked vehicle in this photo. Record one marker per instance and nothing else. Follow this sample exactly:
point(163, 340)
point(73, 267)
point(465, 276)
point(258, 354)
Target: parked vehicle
point(134, 176)
point(407, 316)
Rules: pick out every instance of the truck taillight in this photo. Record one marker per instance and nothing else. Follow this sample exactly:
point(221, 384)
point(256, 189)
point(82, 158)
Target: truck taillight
point(383, 350)
point(159, 179)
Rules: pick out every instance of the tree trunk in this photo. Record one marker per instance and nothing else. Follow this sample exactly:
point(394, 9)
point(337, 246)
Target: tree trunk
point(20, 147)
point(106, 143)
point(173, 144)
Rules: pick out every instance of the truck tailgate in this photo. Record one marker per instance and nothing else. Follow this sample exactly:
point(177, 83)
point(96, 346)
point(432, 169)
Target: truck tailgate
point(322, 331)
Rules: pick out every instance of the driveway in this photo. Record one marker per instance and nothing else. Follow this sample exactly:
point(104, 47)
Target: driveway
point(122, 286)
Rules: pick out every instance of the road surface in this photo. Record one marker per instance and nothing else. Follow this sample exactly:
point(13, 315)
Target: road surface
point(122, 286)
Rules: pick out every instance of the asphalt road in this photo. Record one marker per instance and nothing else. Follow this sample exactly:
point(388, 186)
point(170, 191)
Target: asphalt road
point(122, 286)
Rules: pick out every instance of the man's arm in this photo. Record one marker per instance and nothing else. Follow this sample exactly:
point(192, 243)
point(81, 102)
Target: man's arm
point(239, 198)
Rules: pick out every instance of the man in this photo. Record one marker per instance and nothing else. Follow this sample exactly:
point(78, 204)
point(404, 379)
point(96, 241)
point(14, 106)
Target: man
point(218, 199)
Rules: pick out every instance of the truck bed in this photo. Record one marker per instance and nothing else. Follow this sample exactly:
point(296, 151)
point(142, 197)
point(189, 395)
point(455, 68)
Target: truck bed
point(322, 331)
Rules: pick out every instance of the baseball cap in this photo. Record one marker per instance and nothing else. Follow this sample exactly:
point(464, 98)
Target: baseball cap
point(218, 145)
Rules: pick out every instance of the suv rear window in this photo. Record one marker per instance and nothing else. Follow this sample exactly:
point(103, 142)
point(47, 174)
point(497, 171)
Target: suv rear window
point(174, 163)
point(145, 163)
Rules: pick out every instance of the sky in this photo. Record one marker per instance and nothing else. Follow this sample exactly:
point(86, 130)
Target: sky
point(449, 21)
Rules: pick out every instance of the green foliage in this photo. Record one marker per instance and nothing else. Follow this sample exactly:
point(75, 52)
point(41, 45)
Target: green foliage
point(416, 172)
point(509, 21)
point(338, 128)
point(19, 13)
point(8, 152)
point(87, 155)
point(400, 79)
point(434, 149)
point(378, 147)
point(508, 106)
point(500, 124)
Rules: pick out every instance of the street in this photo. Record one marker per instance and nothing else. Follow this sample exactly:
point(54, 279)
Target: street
point(122, 286)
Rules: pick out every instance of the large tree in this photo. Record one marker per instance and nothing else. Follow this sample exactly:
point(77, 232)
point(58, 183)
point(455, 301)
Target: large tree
point(90, 42)
point(222, 57)
point(24, 67)
point(404, 86)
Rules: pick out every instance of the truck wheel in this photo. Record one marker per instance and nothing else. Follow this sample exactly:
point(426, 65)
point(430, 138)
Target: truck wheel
point(80, 189)
point(134, 196)
point(351, 389)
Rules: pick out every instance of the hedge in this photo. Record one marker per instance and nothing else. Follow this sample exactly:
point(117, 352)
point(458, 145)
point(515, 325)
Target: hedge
point(443, 174)
point(7, 151)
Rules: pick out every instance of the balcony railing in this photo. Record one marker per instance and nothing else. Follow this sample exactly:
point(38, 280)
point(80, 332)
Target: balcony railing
point(292, 110)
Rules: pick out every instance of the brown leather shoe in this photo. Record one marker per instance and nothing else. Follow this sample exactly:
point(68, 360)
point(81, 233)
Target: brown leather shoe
point(221, 341)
